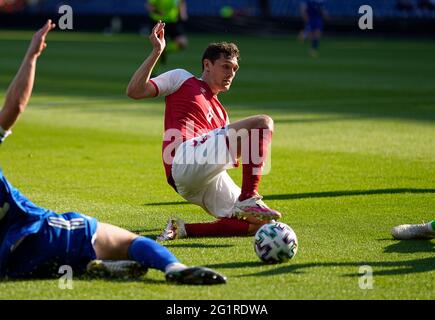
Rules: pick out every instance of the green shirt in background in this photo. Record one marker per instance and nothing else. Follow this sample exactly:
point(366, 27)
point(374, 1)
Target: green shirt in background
point(166, 10)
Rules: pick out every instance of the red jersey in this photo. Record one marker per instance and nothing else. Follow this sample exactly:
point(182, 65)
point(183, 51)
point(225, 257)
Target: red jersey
point(191, 110)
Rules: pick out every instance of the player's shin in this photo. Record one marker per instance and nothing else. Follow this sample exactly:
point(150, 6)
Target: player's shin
point(151, 254)
point(259, 141)
point(224, 227)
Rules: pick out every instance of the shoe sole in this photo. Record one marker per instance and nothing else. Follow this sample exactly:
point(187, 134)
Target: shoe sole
point(258, 215)
point(400, 234)
point(166, 239)
point(97, 268)
point(413, 237)
point(196, 276)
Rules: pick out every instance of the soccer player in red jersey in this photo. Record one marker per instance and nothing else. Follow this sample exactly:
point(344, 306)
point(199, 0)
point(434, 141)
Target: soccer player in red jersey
point(200, 143)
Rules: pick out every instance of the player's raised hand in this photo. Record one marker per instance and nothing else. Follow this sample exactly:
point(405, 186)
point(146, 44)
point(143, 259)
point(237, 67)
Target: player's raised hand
point(157, 36)
point(38, 44)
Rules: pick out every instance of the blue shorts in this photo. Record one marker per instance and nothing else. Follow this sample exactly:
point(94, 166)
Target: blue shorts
point(35, 241)
point(63, 239)
point(314, 23)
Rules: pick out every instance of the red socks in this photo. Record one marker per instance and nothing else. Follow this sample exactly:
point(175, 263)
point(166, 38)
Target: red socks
point(224, 227)
point(253, 169)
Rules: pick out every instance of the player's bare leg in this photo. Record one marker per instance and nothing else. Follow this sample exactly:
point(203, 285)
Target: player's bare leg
point(111, 248)
point(112, 242)
point(122, 253)
point(254, 122)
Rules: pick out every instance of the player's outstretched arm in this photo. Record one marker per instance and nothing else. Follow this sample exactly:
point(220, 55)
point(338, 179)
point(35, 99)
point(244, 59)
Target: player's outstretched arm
point(20, 89)
point(140, 86)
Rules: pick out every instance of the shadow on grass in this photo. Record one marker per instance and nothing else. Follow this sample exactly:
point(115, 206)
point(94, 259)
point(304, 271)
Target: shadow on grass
point(168, 203)
point(380, 268)
point(186, 245)
point(234, 265)
point(83, 277)
point(198, 245)
point(411, 246)
point(144, 279)
point(324, 194)
point(151, 236)
point(333, 194)
point(141, 231)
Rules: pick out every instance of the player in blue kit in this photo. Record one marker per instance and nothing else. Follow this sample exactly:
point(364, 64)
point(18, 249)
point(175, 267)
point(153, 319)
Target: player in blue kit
point(313, 13)
point(35, 241)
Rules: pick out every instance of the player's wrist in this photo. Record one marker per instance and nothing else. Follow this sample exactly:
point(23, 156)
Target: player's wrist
point(31, 55)
point(157, 51)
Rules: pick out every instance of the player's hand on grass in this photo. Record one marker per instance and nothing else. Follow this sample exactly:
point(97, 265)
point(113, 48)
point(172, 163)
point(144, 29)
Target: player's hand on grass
point(38, 44)
point(157, 37)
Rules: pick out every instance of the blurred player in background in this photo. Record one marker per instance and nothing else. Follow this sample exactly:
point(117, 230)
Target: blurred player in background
point(174, 14)
point(10, 6)
point(414, 231)
point(196, 124)
point(313, 13)
point(35, 241)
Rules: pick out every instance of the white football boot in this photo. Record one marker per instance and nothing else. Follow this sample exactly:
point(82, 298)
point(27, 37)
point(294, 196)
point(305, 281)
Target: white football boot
point(174, 230)
point(413, 231)
point(255, 207)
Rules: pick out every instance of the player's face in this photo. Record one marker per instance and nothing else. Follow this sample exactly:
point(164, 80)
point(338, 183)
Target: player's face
point(222, 72)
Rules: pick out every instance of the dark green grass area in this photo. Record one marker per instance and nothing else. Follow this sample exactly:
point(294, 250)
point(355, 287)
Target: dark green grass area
point(353, 155)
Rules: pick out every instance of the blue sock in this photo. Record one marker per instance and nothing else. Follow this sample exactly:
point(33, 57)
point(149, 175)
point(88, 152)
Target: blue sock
point(150, 253)
point(315, 44)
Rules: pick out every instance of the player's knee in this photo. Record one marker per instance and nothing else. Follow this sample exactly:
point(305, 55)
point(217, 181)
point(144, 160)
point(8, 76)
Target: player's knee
point(112, 242)
point(265, 122)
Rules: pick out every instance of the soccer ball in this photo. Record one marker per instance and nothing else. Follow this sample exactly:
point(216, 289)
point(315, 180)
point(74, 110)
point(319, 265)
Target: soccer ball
point(275, 243)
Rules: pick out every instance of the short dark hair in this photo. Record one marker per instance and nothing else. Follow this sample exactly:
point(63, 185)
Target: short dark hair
point(214, 50)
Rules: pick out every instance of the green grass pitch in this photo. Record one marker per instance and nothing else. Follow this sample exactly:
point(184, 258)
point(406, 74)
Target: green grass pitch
point(353, 155)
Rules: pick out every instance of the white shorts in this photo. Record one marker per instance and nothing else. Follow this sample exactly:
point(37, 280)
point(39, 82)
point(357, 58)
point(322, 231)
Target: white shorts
point(199, 172)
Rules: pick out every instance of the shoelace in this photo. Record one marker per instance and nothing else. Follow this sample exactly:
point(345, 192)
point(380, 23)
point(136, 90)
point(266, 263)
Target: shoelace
point(259, 202)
